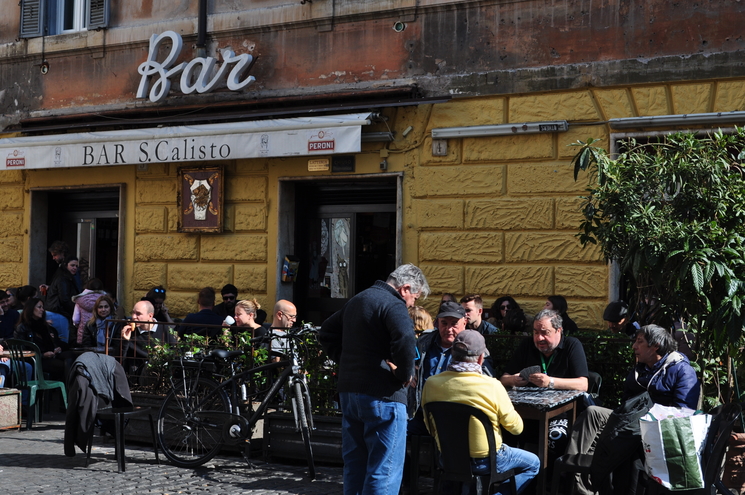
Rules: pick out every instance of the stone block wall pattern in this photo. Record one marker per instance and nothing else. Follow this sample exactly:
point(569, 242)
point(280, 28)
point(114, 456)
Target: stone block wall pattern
point(184, 263)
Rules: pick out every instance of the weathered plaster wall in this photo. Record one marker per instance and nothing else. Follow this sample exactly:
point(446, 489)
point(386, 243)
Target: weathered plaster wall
point(462, 47)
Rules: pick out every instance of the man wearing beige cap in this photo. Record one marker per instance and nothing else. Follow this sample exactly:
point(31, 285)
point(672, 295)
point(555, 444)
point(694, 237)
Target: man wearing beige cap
point(464, 383)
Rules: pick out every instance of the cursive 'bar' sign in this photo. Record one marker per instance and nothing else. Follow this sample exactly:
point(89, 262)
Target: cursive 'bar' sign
point(198, 75)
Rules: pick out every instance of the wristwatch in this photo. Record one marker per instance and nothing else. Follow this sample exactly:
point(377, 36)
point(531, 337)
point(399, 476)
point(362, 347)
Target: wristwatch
point(551, 382)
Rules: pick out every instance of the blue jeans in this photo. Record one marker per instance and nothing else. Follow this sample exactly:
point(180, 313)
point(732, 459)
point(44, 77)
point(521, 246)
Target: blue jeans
point(526, 465)
point(373, 433)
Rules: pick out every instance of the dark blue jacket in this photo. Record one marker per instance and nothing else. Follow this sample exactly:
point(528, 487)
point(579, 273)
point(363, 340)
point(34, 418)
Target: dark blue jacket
point(672, 381)
point(373, 327)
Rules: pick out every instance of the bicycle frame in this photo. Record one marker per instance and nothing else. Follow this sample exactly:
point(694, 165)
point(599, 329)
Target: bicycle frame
point(289, 376)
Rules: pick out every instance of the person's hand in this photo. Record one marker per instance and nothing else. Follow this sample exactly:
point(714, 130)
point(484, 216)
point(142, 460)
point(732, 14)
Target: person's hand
point(4, 360)
point(519, 381)
point(127, 330)
point(49, 354)
point(164, 308)
point(43, 288)
point(540, 379)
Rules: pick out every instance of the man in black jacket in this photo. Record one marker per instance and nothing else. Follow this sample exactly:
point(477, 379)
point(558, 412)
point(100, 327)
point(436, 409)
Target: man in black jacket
point(372, 340)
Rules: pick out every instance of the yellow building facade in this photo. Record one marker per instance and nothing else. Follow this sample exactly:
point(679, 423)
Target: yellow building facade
point(495, 215)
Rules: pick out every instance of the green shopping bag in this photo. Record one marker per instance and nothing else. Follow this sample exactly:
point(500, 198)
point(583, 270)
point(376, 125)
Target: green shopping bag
point(673, 438)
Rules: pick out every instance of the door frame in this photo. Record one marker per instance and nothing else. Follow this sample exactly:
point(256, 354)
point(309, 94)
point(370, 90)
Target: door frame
point(37, 234)
point(286, 224)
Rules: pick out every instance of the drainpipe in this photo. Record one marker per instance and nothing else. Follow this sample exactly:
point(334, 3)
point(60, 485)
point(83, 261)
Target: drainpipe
point(202, 29)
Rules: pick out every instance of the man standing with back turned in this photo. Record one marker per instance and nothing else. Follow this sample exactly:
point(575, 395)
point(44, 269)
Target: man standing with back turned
point(372, 340)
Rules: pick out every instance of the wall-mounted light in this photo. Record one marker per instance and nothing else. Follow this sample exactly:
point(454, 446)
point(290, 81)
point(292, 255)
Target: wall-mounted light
point(399, 26)
point(715, 118)
point(500, 129)
point(374, 137)
point(44, 67)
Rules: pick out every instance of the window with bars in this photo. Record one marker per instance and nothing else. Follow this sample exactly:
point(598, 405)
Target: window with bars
point(49, 17)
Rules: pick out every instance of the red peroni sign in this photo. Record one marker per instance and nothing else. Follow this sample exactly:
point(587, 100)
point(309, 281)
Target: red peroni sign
point(321, 145)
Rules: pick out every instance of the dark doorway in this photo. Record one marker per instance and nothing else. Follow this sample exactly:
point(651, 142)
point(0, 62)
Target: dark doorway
point(345, 237)
point(88, 221)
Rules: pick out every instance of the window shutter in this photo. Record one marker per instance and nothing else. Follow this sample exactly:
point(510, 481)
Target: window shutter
point(98, 15)
point(32, 18)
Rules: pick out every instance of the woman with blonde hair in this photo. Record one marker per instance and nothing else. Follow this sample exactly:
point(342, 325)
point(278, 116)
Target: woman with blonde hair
point(422, 320)
point(245, 314)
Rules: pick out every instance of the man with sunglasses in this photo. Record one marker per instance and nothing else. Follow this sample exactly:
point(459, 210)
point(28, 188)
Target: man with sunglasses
point(229, 295)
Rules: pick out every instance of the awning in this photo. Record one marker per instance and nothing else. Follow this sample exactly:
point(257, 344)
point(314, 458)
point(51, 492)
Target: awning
point(228, 141)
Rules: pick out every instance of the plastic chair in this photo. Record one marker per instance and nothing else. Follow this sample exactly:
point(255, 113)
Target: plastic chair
point(594, 382)
point(121, 418)
point(16, 348)
point(712, 456)
point(451, 421)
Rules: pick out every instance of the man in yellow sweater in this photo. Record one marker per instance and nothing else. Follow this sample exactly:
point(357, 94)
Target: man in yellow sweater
point(464, 383)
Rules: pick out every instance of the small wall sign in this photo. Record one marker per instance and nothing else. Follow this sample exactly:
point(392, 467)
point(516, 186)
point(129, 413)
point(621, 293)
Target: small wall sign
point(201, 199)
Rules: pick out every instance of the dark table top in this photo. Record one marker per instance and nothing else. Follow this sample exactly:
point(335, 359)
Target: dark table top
point(542, 399)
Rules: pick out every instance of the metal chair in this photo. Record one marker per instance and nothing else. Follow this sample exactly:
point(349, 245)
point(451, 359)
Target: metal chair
point(712, 456)
point(16, 348)
point(451, 421)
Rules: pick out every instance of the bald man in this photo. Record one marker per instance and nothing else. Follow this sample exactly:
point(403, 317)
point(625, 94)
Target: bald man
point(284, 315)
point(145, 329)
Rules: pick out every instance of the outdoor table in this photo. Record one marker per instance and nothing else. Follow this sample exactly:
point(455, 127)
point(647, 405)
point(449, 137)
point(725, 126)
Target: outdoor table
point(26, 354)
point(542, 404)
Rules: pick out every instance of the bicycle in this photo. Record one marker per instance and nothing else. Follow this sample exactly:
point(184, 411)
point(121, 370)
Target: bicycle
point(211, 401)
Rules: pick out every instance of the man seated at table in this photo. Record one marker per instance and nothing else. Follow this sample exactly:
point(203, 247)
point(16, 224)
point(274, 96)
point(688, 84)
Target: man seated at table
point(549, 360)
point(464, 382)
point(434, 350)
point(660, 370)
point(146, 332)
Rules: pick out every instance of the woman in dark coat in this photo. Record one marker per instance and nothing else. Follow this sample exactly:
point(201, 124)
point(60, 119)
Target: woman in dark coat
point(63, 287)
point(33, 327)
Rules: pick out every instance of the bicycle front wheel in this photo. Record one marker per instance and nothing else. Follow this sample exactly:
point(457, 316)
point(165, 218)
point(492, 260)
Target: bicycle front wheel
point(303, 419)
point(187, 433)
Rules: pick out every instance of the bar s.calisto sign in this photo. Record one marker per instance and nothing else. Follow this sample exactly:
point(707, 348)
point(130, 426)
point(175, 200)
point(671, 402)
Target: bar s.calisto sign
point(253, 139)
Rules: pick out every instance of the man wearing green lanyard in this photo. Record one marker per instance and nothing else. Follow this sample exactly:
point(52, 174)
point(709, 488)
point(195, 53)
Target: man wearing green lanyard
point(556, 361)
point(549, 360)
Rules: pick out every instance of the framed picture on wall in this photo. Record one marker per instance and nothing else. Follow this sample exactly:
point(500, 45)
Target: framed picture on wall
point(200, 199)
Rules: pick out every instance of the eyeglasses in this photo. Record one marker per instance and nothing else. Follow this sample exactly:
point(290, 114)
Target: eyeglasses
point(159, 291)
point(290, 317)
point(505, 306)
point(228, 298)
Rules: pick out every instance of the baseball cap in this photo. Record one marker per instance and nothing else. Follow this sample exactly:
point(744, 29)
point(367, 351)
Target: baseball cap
point(615, 311)
point(451, 309)
point(470, 343)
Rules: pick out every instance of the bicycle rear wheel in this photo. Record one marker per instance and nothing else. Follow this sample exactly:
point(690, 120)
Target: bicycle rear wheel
point(188, 435)
point(303, 419)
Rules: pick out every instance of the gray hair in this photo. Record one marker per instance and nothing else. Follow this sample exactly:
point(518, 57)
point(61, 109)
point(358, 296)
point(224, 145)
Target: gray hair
point(657, 336)
point(553, 316)
point(411, 275)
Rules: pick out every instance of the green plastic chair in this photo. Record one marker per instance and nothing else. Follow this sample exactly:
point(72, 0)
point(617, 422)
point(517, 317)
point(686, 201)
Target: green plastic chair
point(16, 348)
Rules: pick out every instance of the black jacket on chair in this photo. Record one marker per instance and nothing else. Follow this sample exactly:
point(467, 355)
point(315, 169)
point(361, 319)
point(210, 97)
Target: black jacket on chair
point(96, 382)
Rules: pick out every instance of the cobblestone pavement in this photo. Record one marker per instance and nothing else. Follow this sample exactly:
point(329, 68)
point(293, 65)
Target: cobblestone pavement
point(34, 462)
